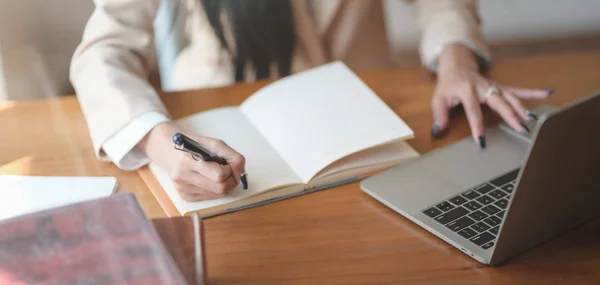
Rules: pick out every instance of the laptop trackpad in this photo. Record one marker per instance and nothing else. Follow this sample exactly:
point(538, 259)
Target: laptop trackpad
point(467, 166)
point(443, 173)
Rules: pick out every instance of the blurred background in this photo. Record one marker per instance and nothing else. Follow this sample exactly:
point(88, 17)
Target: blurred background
point(38, 37)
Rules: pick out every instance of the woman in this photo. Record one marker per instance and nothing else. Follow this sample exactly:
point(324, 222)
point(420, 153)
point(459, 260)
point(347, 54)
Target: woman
point(244, 40)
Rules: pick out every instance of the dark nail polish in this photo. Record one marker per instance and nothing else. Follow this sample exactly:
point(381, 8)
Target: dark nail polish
point(550, 90)
point(531, 115)
point(435, 130)
point(481, 141)
point(525, 127)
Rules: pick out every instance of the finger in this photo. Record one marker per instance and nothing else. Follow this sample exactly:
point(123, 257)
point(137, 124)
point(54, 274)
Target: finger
point(212, 170)
point(236, 161)
point(474, 116)
point(516, 104)
point(202, 184)
point(440, 110)
point(190, 197)
point(498, 104)
point(192, 193)
point(525, 93)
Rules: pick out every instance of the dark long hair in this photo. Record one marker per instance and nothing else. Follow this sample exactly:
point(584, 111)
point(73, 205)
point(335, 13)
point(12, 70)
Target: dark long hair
point(263, 34)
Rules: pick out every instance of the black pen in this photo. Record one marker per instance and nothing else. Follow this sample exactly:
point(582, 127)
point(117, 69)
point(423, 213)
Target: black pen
point(198, 152)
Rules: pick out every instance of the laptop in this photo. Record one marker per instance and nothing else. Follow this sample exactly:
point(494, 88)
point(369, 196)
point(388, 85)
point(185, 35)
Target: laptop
point(519, 192)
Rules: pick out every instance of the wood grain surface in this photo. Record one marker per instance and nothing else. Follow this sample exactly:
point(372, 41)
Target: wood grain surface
point(337, 236)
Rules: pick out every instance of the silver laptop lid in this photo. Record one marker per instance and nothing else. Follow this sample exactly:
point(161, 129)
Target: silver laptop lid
point(559, 185)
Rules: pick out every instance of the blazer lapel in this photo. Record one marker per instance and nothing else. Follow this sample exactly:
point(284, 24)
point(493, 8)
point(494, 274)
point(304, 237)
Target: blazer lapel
point(324, 13)
point(310, 43)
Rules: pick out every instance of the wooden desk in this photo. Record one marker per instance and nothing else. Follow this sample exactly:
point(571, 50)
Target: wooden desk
point(338, 236)
point(181, 237)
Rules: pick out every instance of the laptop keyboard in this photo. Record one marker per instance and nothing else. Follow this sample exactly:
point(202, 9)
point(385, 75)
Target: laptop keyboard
point(477, 213)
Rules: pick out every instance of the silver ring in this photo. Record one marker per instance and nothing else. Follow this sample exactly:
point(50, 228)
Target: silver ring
point(492, 91)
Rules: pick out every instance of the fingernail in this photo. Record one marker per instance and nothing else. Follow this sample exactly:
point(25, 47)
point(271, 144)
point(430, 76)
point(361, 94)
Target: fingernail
point(549, 90)
point(244, 180)
point(481, 141)
point(531, 115)
point(435, 130)
point(525, 127)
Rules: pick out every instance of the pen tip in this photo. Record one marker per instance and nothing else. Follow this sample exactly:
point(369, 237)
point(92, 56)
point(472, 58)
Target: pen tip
point(244, 180)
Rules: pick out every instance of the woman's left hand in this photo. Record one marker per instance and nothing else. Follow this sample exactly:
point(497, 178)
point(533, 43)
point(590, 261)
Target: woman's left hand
point(459, 82)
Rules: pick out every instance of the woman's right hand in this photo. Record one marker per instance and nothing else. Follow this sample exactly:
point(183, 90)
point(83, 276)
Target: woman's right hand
point(194, 180)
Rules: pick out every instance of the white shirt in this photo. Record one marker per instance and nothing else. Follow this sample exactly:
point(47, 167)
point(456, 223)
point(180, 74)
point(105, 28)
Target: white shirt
point(122, 147)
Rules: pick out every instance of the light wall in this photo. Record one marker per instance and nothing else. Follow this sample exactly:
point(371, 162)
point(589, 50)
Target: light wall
point(508, 20)
point(37, 37)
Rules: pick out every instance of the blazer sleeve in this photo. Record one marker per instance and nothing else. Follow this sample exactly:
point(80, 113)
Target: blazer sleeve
point(111, 68)
point(444, 22)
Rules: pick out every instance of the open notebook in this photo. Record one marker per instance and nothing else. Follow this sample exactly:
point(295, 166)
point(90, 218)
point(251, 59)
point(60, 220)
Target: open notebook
point(302, 132)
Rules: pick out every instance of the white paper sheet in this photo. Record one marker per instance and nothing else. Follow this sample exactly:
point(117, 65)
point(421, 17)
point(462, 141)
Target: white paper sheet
point(21, 195)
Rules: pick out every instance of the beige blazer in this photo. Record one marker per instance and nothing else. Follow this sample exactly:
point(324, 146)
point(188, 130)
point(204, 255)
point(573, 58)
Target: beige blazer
point(113, 67)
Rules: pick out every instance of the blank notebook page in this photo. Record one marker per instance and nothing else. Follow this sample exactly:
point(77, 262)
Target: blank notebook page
point(318, 116)
point(21, 195)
